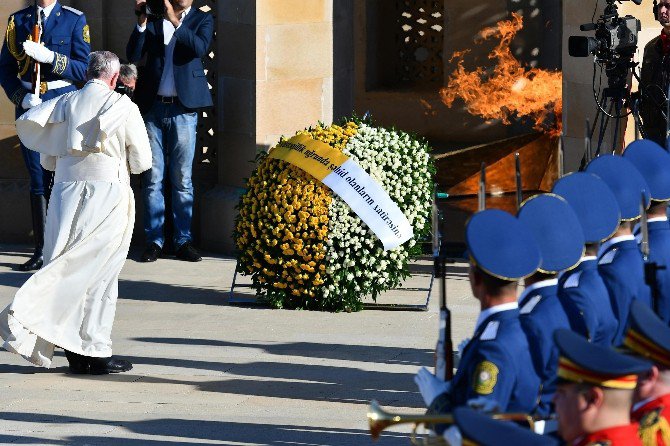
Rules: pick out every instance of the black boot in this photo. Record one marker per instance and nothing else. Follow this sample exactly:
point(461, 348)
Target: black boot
point(79, 365)
point(102, 366)
point(38, 208)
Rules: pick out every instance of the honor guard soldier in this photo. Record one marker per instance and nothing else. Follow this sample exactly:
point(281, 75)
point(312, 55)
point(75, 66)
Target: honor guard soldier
point(495, 372)
point(595, 393)
point(477, 429)
point(63, 56)
point(620, 262)
point(558, 234)
point(649, 337)
point(653, 162)
point(598, 212)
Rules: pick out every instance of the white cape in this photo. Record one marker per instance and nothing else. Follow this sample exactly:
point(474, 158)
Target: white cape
point(71, 301)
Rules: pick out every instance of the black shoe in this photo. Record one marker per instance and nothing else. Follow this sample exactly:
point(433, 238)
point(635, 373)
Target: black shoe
point(152, 253)
point(188, 252)
point(38, 209)
point(79, 365)
point(102, 366)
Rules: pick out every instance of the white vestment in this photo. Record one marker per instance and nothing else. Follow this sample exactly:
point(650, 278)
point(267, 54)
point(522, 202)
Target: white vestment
point(92, 138)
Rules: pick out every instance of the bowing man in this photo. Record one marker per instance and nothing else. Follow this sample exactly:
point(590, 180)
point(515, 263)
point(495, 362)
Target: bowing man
point(92, 138)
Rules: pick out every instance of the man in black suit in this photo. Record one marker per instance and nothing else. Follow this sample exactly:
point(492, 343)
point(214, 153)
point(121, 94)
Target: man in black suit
point(172, 87)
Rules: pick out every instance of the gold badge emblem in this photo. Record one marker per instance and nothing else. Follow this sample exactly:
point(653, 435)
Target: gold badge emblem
point(485, 378)
point(87, 34)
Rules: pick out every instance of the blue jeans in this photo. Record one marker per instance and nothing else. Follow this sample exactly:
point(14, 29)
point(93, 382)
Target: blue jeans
point(171, 129)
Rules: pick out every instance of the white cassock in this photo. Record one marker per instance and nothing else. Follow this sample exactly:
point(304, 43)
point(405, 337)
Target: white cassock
point(92, 138)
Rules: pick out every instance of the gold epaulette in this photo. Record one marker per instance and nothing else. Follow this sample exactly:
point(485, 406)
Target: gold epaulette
point(653, 426)
point(21, 57)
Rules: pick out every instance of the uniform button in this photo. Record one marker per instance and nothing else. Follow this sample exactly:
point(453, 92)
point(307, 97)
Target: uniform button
point(62, 42)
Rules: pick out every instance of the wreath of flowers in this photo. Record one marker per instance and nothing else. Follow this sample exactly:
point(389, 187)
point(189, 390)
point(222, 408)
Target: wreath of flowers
point(302, 245)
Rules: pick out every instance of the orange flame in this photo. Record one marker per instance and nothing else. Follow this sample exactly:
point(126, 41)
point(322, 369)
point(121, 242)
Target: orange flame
point(512, 89)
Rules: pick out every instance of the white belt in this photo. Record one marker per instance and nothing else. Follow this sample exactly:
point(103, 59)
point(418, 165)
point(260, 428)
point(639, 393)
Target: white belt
point(94, 167)
point(46, 86)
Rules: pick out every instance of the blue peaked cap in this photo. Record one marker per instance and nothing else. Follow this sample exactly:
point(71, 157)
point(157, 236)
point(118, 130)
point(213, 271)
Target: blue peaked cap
point(594, 204)
point(653, 162)
point(501, 245)
point(624, 180)
point(481, 429)
point(556, 230)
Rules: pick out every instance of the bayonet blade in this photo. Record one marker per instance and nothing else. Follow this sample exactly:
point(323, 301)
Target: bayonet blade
point(482, 188)
point(519, 183)
point(644, 227)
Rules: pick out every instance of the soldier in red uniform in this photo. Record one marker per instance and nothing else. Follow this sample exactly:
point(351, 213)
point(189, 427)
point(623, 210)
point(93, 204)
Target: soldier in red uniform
point(595, 393)
point(649, 337)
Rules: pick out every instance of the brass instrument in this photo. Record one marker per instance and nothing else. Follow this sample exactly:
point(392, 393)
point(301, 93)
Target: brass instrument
point(379, 420)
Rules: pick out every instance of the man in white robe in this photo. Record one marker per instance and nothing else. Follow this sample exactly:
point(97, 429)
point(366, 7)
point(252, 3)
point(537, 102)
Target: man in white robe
point(92, 139)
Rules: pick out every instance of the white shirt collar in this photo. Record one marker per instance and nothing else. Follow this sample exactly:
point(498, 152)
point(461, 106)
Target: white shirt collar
point(614, 240)
point(183, 14)
point(47, 10)
point(649, 220)
point(485, 314)
point(636, 406)
point(536, 286)
point(582, 260)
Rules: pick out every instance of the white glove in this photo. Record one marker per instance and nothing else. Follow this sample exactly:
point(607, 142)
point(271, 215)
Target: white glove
point(38, 52)
point(430, 386)
point(453, 436)
point(30, 100)
point(483, 404)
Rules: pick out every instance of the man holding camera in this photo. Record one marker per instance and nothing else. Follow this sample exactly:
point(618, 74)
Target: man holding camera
point(175, 37)
point(655, 77)
point(63, 56)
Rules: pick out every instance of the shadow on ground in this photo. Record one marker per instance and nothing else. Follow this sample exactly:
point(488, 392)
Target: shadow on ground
point(233, 433)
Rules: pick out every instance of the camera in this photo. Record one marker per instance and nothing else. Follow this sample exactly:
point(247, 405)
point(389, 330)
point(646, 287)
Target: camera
point(153, 8)
point(615, 36)
point(124, 89)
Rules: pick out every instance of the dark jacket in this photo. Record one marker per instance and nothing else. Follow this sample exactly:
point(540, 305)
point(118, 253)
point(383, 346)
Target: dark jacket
point(654, 78)
point(194, 37)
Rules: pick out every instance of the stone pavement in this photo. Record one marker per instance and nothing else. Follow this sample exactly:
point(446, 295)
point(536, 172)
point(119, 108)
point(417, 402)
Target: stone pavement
point(206, 372)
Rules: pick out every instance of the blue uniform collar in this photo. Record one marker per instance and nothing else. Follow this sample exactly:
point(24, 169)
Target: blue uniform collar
point(537, 286)
point(486, 314)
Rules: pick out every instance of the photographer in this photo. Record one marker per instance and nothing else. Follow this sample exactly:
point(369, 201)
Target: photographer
point(655, 77)
point(174, 37)
point(127, 80)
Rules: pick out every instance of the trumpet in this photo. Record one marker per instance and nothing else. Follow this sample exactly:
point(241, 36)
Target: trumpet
point(379, 420)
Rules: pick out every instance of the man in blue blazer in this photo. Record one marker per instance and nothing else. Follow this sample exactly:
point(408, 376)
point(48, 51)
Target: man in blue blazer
point(63, 55)
point(169, 92)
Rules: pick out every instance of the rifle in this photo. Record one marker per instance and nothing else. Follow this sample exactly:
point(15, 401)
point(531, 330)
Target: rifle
point(667, 120)
point(519, 183)
point(444, 358)
point(36, 36)
point(650, 268)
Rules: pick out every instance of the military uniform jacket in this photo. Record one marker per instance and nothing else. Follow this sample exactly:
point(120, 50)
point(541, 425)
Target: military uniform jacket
point(496, 365)
point(653, 418)
point(541, 314)
point(614, 436)
point(584, 287)
point(659, 253)
point(654, 77)
point(622, 269)
point(65, 32)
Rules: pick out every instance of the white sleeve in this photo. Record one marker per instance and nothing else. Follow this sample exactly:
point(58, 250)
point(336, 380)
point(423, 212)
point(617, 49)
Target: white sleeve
point(141, 28)
point(137, 143)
